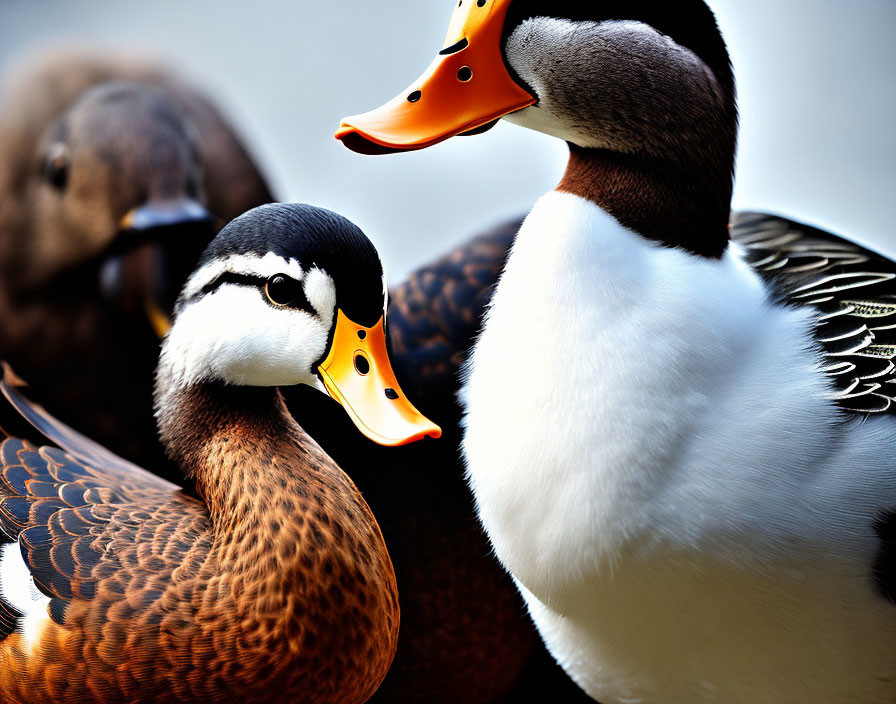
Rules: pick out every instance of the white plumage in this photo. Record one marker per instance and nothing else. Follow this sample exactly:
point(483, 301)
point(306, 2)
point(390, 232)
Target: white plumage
point(17, 589)
point(233, 334)
point(659, 462)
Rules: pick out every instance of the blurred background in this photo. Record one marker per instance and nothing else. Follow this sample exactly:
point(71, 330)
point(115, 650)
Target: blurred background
point(817, 84)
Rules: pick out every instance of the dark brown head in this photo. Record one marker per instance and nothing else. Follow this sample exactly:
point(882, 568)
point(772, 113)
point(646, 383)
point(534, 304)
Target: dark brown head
point(117, 178)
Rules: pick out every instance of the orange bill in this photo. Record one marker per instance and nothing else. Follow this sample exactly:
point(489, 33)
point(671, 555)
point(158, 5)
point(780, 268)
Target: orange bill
point(357, 373)
point(466, 88)
point(158, 319)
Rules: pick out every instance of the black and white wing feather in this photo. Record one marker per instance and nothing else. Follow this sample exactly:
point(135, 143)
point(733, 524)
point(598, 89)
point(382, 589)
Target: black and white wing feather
point(853, 290)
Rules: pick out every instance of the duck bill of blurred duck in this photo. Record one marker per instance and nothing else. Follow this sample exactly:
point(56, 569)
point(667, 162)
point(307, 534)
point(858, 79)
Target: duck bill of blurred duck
point(358, 374)
point(465, 90)
point(157, 246)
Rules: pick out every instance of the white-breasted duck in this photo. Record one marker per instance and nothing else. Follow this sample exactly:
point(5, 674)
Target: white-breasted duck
point(115, 175)
point(684, 461)
point(276, 586)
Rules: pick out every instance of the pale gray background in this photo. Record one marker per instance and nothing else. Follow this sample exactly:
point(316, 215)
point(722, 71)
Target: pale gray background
point(817, 82)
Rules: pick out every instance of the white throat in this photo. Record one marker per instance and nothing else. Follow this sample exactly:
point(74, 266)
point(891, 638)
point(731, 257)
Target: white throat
point(602, 357)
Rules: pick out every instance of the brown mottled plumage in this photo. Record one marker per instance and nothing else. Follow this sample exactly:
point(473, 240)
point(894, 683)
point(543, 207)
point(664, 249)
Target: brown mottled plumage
point(277, 589)
point(129, 134)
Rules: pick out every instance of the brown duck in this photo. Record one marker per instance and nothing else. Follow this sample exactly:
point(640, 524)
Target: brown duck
point(274, 587)
point(114, 176)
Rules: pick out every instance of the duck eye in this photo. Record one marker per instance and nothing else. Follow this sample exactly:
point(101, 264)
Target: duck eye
point(56, 166)
point(282, 290)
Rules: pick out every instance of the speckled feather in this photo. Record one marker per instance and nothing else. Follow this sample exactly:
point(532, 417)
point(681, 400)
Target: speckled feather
point(435, 314)
point(277, 589)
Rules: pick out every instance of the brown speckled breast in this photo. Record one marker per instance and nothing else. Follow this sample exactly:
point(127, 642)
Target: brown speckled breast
point(277, 589)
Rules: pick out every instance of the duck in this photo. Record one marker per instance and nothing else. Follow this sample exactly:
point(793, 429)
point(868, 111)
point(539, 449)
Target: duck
point(465, 635)
point(275, 584)
point(115, 174)
point(682, 457)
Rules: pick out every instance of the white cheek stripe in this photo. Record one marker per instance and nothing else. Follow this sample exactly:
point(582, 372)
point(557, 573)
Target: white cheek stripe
point(18, 589)
point(234, 335)
point(246, 264)
point(321, 293)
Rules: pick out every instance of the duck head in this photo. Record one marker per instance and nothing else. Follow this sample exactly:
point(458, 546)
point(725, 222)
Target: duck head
point(119, 181)
point(607, 74)
point(643, 87)
point(290, 294)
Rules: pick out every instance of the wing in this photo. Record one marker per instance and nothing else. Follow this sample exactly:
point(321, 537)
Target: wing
point(853, 291)
point(77, 521)
point(79, 446)
point(436, 314)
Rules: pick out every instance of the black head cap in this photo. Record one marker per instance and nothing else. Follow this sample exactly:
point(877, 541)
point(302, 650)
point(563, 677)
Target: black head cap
point(314, 237)
point(690, 23)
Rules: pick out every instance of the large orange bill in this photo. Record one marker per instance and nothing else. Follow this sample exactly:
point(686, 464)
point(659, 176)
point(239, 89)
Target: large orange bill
point(358, 374)
point(466, 88)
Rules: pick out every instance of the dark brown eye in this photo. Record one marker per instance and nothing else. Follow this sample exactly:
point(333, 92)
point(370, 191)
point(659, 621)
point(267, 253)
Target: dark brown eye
point(56, 166)
point(282, 290)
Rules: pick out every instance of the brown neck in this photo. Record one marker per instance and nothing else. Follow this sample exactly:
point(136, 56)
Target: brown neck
point(677, 205)
point(288, 526)
point(251, 461)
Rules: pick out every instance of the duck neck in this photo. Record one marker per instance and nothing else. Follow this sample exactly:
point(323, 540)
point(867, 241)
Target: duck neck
point(251, 462)
point(677, 204)
point(224, 438)
point(288, 527)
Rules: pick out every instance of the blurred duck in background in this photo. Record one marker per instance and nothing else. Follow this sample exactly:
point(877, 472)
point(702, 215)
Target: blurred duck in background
point(114, 176)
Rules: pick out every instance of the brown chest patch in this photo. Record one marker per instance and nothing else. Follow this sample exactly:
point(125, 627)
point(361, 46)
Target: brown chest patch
point(661, 200)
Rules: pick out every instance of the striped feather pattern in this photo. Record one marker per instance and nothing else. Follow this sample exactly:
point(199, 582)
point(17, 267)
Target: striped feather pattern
point(852, 288)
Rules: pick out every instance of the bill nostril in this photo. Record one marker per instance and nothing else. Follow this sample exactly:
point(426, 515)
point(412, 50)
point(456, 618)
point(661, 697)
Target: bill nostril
point(361, 364)
point(454, 48)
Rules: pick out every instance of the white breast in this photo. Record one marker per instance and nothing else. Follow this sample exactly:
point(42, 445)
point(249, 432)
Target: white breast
point(656, 459)
point(18, 590)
